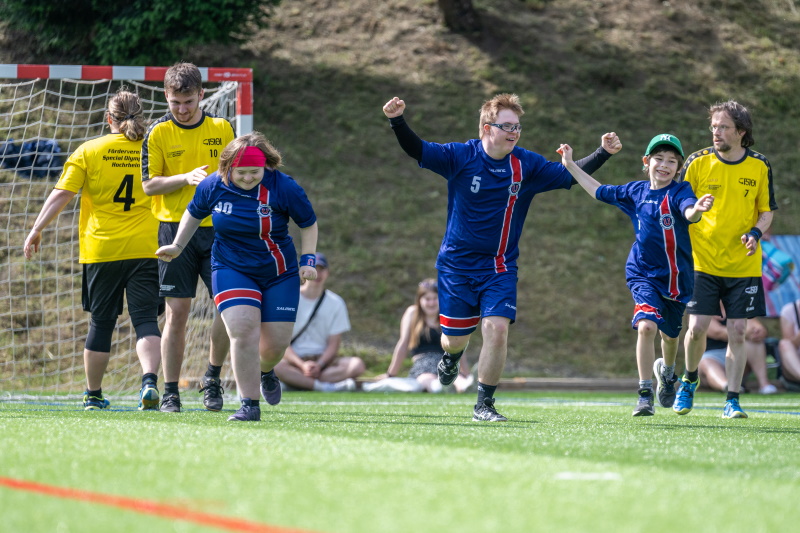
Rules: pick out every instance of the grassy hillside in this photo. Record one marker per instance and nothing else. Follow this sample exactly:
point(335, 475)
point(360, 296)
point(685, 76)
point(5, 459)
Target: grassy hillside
point(639, 67)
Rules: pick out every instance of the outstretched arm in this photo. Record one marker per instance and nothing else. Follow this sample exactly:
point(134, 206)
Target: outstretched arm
point(409, 141)
point(186, 229)
point(589, 184)
point(57, 200)
point(703, 205)
point(609, 145)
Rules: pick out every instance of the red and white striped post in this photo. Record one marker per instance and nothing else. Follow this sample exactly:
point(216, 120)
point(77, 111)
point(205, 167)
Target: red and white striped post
point(243, 77)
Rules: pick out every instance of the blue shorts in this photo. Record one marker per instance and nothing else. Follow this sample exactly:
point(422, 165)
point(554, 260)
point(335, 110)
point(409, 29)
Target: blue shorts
point(277, 298)
point(464, 300)
point(650, 305)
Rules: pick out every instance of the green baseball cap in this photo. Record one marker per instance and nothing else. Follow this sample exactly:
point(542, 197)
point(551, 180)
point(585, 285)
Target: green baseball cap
point(664, 138)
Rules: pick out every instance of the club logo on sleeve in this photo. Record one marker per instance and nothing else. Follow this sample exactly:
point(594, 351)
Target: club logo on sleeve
point(264, 210)
point(667, 221)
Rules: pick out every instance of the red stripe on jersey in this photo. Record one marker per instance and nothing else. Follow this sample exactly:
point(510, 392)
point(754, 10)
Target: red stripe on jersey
point(516, 177)
point(237, 293)
point(647, 309)
point(457, 323)
point(266, 228)
point(670, 248)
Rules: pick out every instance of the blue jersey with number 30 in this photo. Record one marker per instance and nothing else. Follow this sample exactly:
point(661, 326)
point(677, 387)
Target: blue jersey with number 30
point(662, 253)
point(252, 227)
point(487, 202)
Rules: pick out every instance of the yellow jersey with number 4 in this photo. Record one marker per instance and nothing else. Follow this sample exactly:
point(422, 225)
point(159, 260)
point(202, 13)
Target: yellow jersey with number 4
point(170, 149)
point(741, 189)
point(116, 220)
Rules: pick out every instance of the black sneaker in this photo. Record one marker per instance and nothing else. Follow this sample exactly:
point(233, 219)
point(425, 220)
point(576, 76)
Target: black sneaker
point(447, 370)
point(170, 403)
point(644, 406)
point(271, 389)
point(247, 412)
point(487, 412)
point(212, 393)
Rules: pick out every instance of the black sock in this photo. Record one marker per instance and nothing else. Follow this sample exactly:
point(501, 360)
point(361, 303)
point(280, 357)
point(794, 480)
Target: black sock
point(149, 378)
point(450, 358)
point(251, 403)
point(171, 387)
point(485, 391)
point(691, 376)
point(96, 393)
point(732, 395)
point(213, 371)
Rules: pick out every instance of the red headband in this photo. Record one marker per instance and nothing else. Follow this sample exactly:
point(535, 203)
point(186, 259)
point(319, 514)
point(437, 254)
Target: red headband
point(251, 156)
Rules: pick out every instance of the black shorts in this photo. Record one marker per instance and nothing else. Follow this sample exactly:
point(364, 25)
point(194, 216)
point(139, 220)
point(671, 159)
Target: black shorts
point(105, 284)
point(178, 278)
point(742, 297)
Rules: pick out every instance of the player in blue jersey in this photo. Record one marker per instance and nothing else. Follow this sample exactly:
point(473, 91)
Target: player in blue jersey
point(254, 266)
point(491, 183)
point(659, 270)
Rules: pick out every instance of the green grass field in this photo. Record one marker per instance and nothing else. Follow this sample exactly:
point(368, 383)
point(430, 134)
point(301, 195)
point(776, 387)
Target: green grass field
point(357, 462)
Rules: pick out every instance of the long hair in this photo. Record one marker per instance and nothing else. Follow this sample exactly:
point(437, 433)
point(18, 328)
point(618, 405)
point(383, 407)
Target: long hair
point(254, 138)
point(740, 117)
point(419, 329)
point(127, 114)
point(491, 108)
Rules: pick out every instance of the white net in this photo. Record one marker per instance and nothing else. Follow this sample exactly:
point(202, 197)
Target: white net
point(42, 324)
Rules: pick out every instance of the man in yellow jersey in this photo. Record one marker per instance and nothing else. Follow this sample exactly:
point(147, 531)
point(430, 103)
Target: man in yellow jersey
point(179, 151)
point(726, 251)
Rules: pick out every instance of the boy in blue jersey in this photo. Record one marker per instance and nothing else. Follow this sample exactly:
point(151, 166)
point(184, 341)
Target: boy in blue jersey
point(254, 271)
point(659, 270)
point(491, 183)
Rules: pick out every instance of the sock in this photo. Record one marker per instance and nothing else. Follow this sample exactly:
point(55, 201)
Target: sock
point(96, 393)
point(645, 384)
point(669, 371)
point(691, 376)
point(732, 395)
point(251, 403)
point(452, 358)
point(213, 371)
point(485, 391)
point(171, 387)
point(149, 378)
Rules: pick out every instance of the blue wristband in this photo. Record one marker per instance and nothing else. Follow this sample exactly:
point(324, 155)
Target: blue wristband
point(308, 260)
point(756, 233)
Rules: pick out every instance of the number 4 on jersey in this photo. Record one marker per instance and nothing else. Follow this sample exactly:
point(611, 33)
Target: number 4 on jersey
point(126, 188)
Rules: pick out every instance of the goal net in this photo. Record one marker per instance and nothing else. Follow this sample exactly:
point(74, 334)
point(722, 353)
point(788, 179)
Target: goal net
point(46, 112)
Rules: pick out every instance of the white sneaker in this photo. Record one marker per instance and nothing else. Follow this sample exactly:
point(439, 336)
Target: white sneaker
point(768, 389)
point(346, 385)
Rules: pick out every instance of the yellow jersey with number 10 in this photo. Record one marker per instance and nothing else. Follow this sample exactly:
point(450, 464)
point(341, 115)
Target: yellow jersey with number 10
point(741, 189)
point(116, 220)
point(170, 149)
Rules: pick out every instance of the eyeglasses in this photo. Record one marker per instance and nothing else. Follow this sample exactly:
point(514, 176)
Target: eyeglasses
point(507, 126)
point(722, 129)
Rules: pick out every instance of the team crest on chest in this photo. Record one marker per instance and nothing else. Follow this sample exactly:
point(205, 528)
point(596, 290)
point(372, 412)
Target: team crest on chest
point(264, 210)
point(667, 221)
point(514, 188)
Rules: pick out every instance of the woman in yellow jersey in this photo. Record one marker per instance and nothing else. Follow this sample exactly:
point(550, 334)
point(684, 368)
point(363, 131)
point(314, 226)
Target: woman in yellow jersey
point(118, 234)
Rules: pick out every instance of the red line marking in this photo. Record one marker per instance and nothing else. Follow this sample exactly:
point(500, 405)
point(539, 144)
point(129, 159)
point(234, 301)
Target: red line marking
point(146, 507)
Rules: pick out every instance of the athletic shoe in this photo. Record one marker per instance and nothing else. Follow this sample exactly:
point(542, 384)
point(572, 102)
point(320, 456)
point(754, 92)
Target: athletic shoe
point(448, 372)
point(246, 413)
point(645, 405)
point(148, 397)
point(93, 403)
point(487, 413)
point(733, 410)
point(769, 388)
point(665, 391)
point(346, 385)
point(212, 393)
point(685, 399)
point(271, 389)
point(171, 403)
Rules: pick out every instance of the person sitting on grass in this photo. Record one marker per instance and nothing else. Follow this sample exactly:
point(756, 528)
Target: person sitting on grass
point(789, 346)
point(659, 270)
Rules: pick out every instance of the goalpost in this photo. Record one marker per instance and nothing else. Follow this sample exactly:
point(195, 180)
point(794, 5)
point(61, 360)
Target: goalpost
point(46, 112)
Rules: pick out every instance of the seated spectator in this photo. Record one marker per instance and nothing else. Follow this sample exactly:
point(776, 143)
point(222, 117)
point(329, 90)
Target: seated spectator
point(420, 334)
point(712, 365)
point(312, 362)
point(789, 346)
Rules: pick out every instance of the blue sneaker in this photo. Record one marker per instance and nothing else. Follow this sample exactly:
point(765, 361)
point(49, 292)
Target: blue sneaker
point(247, 412)
point(271, 388)
point(148, 397)
point(685, 399)
point(733, 410)
point(447, 369)
point(93, 403)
